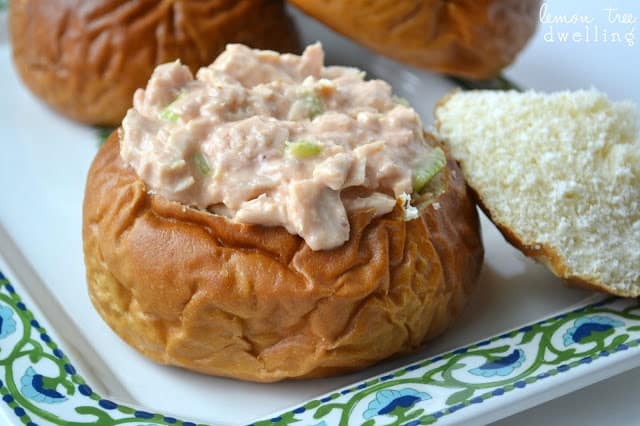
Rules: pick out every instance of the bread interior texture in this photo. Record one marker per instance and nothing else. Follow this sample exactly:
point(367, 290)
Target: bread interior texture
point(559, 172)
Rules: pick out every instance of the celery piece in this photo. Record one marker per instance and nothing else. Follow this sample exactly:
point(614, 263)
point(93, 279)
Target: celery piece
point(429, 170)
point(168, 115)
point(314, 105)
point(201, 163)
point(302, 149)
point(400, 101)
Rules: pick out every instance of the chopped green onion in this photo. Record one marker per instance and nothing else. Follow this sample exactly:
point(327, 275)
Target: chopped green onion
point(429, 170)
point(400, 100)
point(314, 105)
point(302, 149)
point(168, 115)
point(181, 94)
point(177, 164)
point(201, 164)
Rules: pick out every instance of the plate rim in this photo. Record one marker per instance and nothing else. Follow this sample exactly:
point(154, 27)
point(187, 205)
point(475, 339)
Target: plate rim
point(13, 294)
point(14, 297)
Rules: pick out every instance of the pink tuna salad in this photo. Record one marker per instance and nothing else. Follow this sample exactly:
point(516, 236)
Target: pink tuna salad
point(277, 140)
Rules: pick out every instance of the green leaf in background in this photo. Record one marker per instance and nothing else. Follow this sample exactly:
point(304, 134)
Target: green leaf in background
point(102, 132)
point(499, 82)
point(3, 5)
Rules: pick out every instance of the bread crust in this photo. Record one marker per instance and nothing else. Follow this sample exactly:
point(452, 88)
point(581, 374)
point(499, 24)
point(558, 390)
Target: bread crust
point(469, 38)
point(86, 58)
point(192, 289)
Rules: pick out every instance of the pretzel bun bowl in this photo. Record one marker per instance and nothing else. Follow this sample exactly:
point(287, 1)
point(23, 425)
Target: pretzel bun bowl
point(86, 58)
point(278, 220)
point(468, 38)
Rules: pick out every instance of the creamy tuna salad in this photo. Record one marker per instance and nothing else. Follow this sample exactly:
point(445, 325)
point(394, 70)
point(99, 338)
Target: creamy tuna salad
point(277, 140)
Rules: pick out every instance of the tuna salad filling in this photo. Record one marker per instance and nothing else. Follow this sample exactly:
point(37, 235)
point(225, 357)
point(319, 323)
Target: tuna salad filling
point(277, 140)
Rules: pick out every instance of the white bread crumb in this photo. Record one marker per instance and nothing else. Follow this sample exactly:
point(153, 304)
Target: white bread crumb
point(560, 170)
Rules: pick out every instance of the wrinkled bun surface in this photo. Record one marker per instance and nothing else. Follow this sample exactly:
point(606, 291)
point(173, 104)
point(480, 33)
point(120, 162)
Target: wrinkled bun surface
point(468, 38)
point(192, 289)
point(86, 58)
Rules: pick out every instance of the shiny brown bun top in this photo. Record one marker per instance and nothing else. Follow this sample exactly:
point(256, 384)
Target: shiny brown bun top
point(85, 58)
point(468, 38)
point(192, 289)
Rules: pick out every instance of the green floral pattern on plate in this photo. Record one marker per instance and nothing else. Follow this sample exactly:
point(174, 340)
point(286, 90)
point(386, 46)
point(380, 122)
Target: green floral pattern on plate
point(425, 392)
point(40, 385)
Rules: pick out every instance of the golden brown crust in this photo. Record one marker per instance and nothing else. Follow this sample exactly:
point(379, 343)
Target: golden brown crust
point(195, 290)
point(86, 58)
point(469, 38)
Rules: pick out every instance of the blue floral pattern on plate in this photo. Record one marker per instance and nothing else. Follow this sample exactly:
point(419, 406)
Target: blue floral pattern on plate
point(7, 322)
point(388, 400)
point(586, 327)
point(40, 388)
point(502, 366)
point(421, 393)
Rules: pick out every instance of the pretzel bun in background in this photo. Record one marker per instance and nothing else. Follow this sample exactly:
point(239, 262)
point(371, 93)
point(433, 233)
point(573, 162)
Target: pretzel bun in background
point(469, 38)
point(85, 58)
point(189, 288)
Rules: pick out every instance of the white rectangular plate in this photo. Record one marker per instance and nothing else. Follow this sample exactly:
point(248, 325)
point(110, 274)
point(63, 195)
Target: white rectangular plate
point(96, 378)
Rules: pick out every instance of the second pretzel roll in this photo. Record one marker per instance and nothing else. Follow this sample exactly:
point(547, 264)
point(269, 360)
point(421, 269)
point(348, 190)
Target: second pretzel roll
point(86, 58)
point(469, 38)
